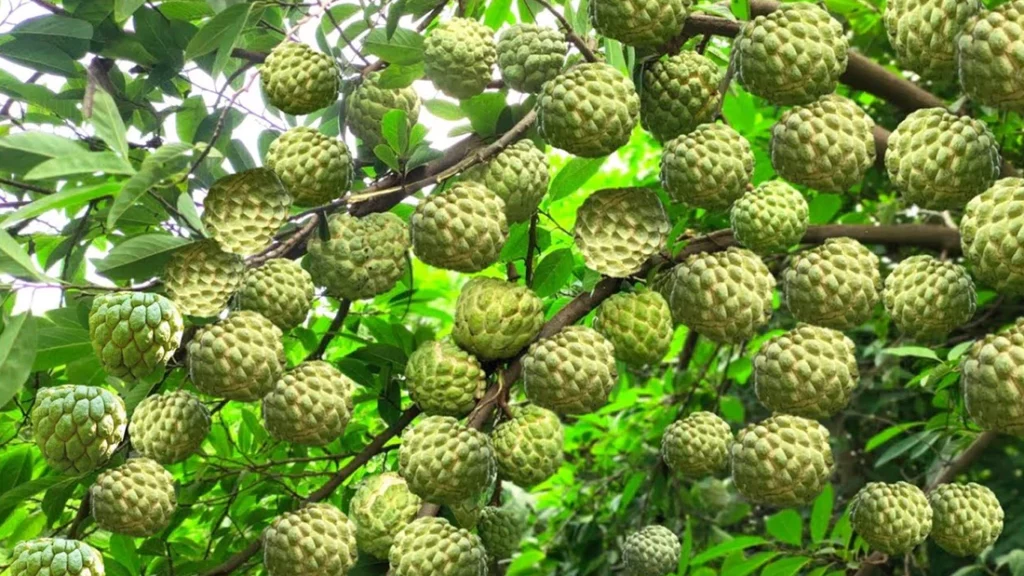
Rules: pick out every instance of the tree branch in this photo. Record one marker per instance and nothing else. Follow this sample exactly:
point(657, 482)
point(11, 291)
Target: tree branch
point(343, 307)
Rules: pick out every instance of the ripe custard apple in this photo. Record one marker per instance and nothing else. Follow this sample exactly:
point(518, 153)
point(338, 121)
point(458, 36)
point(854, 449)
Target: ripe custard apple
point(529, 55)
point(369, 102)
point(990, 54)
point(528, 447)
point(380, 508)
point(571, 372)
point(939, 160)
point(55, 557)
point(809, 371)
point(280, 290)
point(135, 499)
point(134, 333)
point(726, 296)
point(363, 257)
point(200, 278)
point(927, 298)
point(678, 94)
point(458, 57)
point(791, 56)
point(639, 23)
point(519, 175)
point(992, 238)
point(652, 551)
point(709, 168)
point(892, 518)
point(237, 358)
point(317, 540)
point(835, 285)
point(433, 547)
point(697, 446)
point(444, 380)
point(992, 377)
point(445, 462)
point(299, 80)
point(966, 518)
point(243, 211)
point(770, 218)
point(638, 324)
point(618, 229)
point(495, 319)
point(315, 168)
point(169, 427)
point(77, 428)
point(462, 228)
point(924, 34)
point(501, 530)
point(589, 110)
point(309, 405)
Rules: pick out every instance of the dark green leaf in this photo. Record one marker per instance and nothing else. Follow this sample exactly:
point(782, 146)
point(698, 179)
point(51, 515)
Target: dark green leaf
point(107, 121)
point(572, 176)
point(167, 160)
point(36, 53)
point(553, 271)
point(483, 111)
point(15, 261)
point(405, 47)
point(70, 198)
point(17, 352)
point(785, 567)
point(140, 257)
point(125, 8)
point(225, 25)
point(17, 495)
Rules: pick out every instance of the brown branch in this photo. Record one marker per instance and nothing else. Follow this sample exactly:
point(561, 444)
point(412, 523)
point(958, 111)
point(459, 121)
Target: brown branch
point(84, 509)
point(280, 250)
point(689, 348)
point(250, 55)
point(26, 186)
point(531, 247)
point(343, 307)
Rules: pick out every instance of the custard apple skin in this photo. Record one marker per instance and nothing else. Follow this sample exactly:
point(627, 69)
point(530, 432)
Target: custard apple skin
point(709, 168)
point(966, 518)
point(134, 333)
point(697, 445)
point(444, 380)
point(809, 371)
point(433, 547)
point(835, 285)
point(495, 319)
point(519, 175)
point(445, 462)
point(678, 94)
point(571, 372)
point(992, 236)
point(992, 378)
point(529, 446)
point(529, 55)
point(243, 211)
point(200, 278)
point(169, 427)
point(315, 168)
point(990, 55)
point(369, 102)
point(362, 258)
point(299, 80)
point(77, 428)
point(501, 530)
point(589, 110)
point(136, 499)
point(791, 56)
point(782, 461)
point(280, 290)
point(893, 518)
point(458, 57)
point(638, 324)
point(618, 229)
point(237, 358)
point(55, 557)
point(928, 298)
point(939, 160)
point(380, 508)
point(462, 228)
point(652, 551)
point(309, 405)
point(318, 540)
point(639, 23)
point(924, 34)
point(770, 218)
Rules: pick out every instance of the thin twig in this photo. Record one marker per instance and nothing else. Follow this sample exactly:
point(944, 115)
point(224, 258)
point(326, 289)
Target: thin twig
point(531, 247)
point(343, 307)
point(572, 36)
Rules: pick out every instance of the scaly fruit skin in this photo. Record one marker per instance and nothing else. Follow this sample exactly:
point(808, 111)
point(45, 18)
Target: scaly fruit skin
point(136, 498)
point(770, 218)
point(792, 56)
point(618, 229)
point(528, 447)
point(992, 377)
point(309, 405)
point(939, 160)
point(892, 518)
point(445, 462)
point(315, 168)
point(56, 557)
point(77, 428)
point(924, 34)
point(835, 285)
point(529, 55)
point(519, 175)
point(697, 446)
point(458, 57)
point(927, 298)
point(501, 530)
point(966, 518)
point(639, 23)
point(238, 358)
point(243, 211)
point(678, 94)
point(299, 80)
point(433, 547)
point(709, 168)
point(495, 319)
point(809, 371)
point(826, 145)
point(169, 427)
point(200, 278)
point(380, 508)
point(651, 551)
point(462, 228)
point(368, 103)
point(990, 54)
point(571, 372)
point(444, 380)
point(318, 540)
point(638, 324)
point(280, 290)
point(363, 257)
point(134, 333)
point(990, 234)
point(589, 110)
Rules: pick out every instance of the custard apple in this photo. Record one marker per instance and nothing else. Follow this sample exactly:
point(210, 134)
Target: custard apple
point(444, 380)
point(528, 447)
point(501, 530)
point(992, 378)
point(709, 168)
point(652, 551)
point(55, 557)
point(467, 512)
point(571, 372)
point(458, 57)
point(678, 94)
point(309, 405)
point(445, 462)
point(315, 168)
point(992, 236)
point(299, 80)
point(770, 218)
point(380, 508)
point(640, 23)
point(77, 428)
point(924, 34)
point(835, 285)
point(529, 55)
point(369, 102)
point(927, 298)
point(317, 540)
point(433, 547)
point(362, 258)
point(697, 445)
point(990, 55)
point(618, 229)
point(462, 228)
point(237, 358)
point(243, 211)
point(495, 319)
point(200, 278)
point(966, 518)
point(280, 290)
point(136, 498)
point(519, 175)
point(589, 110)
point(169, 427)
point(134, 333)
point(892, 518)
point(638, 324)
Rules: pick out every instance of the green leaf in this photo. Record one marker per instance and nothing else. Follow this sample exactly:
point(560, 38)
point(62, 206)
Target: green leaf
point(553, 271)
point(395, 129)
point(741, 8)
point(725, 548)
point(786, 526)
point(888, 434)
point(395, 13)
point(821, 513)
point(17, 352)
point(123, 9)
point(42, 144)
point(69, 198)
point(687, 547)
point(105, 162)
point(187, 208)
point(140, 257)
point(387, 156)
point(497, 13)
point(405, 47)
point(54, 26)
point(226, 25)
point(395, 76)
point(60, 345)
point(824, 207)
point(786, 566)
point(167, 160)
point(15, 261)
point(107, 121)
point(17, 495)
point(914, 351)
point(572, 176)
point(444, 110)
point(901, 447)
point(959, 350)
point(746, 566)
point(38, 54)
point(483, 111)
